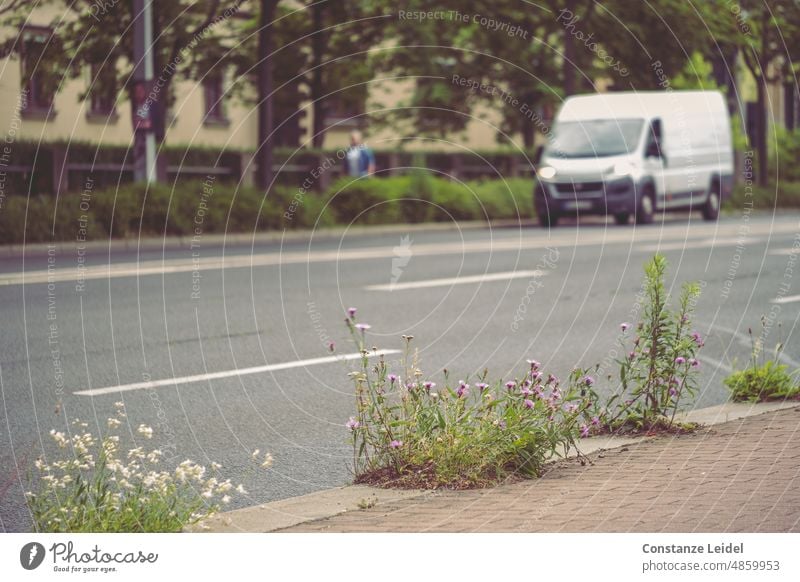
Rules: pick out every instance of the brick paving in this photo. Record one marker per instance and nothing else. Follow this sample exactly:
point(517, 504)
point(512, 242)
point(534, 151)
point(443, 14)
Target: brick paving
point(741, 476)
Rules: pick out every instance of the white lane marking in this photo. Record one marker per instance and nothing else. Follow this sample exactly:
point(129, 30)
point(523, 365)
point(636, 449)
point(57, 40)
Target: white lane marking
point(228, 373)
point(186, 265)
point(785, 252)
point(787, 299)
point(699, 244)
point(455, 281)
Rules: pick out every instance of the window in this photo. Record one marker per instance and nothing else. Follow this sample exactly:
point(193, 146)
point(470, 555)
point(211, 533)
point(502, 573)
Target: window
point(103, 92)
point(214, 94)
point(39, 87)
point(595, 138)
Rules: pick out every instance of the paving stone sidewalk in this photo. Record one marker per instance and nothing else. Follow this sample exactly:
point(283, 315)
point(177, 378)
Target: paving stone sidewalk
point(741, 476)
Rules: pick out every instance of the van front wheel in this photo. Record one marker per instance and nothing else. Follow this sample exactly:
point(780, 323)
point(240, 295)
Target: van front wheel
point(646, 209)
point(711, 207)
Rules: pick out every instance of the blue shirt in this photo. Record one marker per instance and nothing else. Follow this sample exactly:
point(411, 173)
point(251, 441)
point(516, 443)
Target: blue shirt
point(359, 159)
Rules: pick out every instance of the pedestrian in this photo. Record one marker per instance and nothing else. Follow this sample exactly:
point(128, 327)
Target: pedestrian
point(360, 159)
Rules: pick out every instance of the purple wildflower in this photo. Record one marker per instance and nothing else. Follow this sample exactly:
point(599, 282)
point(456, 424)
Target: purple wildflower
point(511, 384)
point(698, 339)
point(588, 380)
point(672, 392)
point(396, 444)
point(595, 421)
point(352, 424)
point(392, 378)
point(463, 389)
point(534, 365)
point(363, 326)
point(536, 375)
point(429, 385)
point(351, 311)
point(680, 360)
point(693, 363)
point(528, 403)
point(624, 326)
point(481, 386)
point(584, 431)
point(526, 391)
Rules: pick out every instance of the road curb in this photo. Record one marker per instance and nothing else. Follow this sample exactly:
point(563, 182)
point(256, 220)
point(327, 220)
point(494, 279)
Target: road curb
point(285, 513)
point(249, 239)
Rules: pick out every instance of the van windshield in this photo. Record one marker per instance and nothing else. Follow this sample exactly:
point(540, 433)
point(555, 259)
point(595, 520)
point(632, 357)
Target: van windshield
point(595, 138)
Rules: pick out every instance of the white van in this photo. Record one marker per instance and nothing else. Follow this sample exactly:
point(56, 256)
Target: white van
point(635, 154)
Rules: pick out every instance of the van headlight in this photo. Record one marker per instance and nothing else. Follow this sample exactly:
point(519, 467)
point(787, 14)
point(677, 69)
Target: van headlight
point(623, 169)
point(546, 172)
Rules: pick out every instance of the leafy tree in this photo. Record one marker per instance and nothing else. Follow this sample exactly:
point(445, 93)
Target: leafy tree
point(769, 35)
point(184, 33)
point(428, 53)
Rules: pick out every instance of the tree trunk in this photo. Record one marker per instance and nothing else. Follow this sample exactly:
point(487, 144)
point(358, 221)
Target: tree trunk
point(317, 47)
point(265, 140)
point(762, 169)
point(569, 54)
point(528, 135)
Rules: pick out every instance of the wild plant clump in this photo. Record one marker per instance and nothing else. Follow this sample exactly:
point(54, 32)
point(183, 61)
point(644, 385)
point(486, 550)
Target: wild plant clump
point(96, 488)
point(660, 369)
point(408, 431)
point(764, 379)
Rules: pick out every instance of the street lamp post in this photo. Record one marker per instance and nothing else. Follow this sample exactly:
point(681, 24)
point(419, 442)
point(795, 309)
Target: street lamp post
point(144, 144)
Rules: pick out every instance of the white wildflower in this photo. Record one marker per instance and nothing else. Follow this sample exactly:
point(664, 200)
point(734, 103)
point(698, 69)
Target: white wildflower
point(145, 431)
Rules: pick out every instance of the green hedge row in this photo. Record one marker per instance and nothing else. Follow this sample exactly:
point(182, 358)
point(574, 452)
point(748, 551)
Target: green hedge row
point(784, 195)
point(133, 210)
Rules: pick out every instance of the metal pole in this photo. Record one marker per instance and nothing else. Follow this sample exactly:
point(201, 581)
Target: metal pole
point(264, 90)
point(144, 148)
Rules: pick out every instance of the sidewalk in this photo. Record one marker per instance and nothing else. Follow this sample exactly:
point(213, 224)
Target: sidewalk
point(740, 476)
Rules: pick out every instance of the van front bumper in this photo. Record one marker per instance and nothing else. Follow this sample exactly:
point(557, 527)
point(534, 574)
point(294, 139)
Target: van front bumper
point(601, 197)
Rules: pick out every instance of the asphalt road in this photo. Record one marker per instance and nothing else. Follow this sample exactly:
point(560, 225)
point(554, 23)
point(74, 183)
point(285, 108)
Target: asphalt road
point(490, 298)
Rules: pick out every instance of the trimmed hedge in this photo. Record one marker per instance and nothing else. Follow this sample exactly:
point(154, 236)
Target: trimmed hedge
point(420, 197)
point(134, 210)
point(784, 195)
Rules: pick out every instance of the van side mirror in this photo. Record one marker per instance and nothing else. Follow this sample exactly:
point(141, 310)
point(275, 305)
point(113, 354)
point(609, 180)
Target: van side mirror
point(653, 149)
